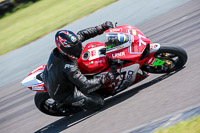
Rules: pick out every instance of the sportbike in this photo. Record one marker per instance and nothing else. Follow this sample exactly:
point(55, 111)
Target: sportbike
point(124, 48)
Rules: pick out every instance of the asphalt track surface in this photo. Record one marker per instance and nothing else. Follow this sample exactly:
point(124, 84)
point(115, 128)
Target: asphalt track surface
point(155, 97)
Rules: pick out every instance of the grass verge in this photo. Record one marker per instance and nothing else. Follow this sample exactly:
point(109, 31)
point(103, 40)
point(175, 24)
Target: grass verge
point(188, 126)
point(42, 17)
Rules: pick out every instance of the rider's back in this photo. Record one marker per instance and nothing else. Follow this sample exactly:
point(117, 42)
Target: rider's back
point(57, 84)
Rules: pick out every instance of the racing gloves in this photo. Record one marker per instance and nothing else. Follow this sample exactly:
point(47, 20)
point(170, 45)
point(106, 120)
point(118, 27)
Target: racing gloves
point(109, 77)
point(107, 25)
point(103, 27)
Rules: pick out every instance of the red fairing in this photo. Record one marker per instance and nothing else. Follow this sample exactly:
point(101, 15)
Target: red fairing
point(92, 61)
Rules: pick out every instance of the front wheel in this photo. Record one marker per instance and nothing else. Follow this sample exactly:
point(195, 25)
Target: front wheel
point(174, 57)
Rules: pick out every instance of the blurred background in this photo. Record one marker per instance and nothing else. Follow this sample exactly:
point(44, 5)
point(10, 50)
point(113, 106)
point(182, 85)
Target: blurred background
point(9, 6)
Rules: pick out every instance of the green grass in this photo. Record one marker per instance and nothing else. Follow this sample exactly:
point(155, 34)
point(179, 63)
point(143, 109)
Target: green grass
point(42, 17)
point(188, 126)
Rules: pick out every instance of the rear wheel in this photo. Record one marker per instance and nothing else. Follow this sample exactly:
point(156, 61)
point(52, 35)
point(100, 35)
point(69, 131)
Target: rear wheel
point(48, 106)
point(174, 57)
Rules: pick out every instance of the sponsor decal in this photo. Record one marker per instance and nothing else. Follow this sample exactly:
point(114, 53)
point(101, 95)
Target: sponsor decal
point(132, 32)
point(150, 60)
point(73, 38)
point(37, 88)
point(116, 30)
point(68, 66)
point(118, 54)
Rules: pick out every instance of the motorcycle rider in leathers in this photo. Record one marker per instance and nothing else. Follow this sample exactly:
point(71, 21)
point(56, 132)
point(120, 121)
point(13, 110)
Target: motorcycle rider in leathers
point(62, 78)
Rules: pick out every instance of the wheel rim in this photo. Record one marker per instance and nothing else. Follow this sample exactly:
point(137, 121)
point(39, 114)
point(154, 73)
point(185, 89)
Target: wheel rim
point(170, 60)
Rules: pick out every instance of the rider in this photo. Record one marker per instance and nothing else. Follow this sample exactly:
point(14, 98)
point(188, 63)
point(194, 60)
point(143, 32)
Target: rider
point(62, 78)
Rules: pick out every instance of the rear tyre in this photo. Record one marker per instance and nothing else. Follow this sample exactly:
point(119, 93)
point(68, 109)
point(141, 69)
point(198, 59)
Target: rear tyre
point(46, 105)
point(175, 58)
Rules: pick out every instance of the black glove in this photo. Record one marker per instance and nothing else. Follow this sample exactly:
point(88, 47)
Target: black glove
point(109, 77)
point(107, 25)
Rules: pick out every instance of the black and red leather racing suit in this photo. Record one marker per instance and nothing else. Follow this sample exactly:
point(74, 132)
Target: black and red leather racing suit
point(64, 81)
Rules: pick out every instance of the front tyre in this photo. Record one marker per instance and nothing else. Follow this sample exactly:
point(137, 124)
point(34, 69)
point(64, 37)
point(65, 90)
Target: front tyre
point(174, 57)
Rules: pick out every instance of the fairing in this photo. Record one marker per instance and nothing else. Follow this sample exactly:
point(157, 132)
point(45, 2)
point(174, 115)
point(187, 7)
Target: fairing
point(32, 82)
point(93, 59)
point(131, 46)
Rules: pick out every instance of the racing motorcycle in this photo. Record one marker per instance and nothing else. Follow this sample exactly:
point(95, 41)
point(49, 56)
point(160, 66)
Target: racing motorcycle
point(124, 48)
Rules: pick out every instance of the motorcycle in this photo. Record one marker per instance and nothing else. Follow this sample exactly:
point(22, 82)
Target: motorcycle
point(125, 49)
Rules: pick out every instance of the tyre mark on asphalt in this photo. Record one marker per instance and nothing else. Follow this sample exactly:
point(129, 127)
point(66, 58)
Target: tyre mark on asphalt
point(188, 38)
point(181, 32)
point(179, 28)
point(164, 25)
point(16, 114)
point(13, 98)
point(195, 42)
point(12, 90)
point(21, 102)
point(15, 122)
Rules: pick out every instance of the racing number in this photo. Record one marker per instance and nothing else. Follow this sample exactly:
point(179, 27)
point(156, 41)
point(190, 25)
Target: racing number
point(93, 53)
point(130, 74)
point(140, 40)
point(122, 77)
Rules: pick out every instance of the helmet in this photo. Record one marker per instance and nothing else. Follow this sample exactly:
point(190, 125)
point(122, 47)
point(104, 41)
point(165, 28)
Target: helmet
point(68, 44)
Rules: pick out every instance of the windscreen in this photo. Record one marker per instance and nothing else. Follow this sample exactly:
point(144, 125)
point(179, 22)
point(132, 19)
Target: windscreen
point(116, 39)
